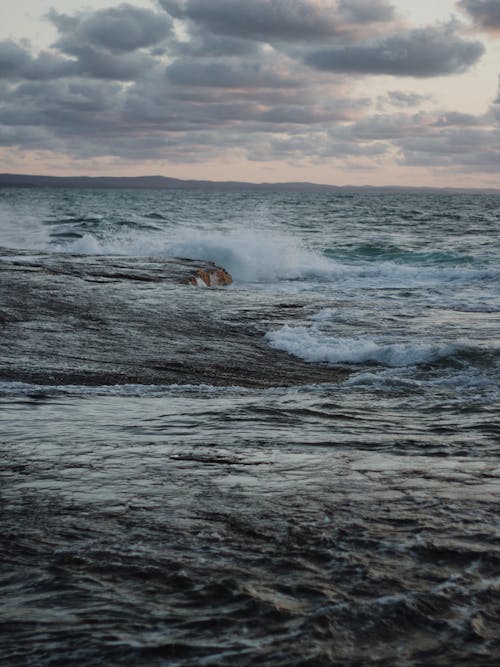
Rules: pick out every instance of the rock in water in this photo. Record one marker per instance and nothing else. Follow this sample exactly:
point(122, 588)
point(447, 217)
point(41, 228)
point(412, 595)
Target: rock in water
point(213, 276)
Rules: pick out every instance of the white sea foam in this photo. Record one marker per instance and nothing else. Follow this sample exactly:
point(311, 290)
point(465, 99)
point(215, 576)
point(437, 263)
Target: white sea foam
point(314, 345)
point(261, 255)
point(255, 255)
point(250, 255)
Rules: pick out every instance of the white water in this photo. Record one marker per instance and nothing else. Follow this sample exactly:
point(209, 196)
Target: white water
point(314, 345)
point(250, 255)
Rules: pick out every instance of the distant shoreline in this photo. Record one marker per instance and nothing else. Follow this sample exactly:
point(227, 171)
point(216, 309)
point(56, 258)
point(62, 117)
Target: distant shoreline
point(167, 183)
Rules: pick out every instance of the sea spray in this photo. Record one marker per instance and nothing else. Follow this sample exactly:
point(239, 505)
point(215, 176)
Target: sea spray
point(255, 255)
point(260, 255)
point(250, 255)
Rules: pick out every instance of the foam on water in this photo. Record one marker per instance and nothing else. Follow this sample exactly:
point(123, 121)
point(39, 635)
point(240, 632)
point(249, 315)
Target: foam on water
point(314, 345)
point(250, 255)
point(456, 380)
point(267, 256)
point(20, 389)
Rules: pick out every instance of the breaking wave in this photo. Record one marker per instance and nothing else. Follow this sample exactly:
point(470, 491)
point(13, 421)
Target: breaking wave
point(256, 255)
point(267, 256)
point(250, 255)
point(315, 346)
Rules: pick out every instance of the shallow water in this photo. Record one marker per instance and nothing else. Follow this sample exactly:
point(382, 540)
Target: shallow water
point(348, 523)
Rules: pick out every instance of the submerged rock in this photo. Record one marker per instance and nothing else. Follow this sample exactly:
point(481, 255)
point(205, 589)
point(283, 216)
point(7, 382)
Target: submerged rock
point(101, 320)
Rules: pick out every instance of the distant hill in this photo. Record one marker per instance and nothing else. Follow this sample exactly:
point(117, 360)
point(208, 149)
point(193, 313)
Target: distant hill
point(166, 183)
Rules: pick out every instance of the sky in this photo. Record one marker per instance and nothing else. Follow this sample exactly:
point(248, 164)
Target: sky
point(361, 92)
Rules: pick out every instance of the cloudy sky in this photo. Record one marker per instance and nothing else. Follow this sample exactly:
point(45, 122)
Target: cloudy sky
point(332, 91)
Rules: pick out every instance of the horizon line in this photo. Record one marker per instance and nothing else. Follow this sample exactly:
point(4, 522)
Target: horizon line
point(8, 179)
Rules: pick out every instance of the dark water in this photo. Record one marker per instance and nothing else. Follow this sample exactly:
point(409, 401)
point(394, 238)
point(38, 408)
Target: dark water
point(351, 523)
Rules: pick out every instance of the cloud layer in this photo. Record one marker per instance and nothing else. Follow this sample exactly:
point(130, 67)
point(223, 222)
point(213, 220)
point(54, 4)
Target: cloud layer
point(420, 53)
point(485, 13)
point(258, 80)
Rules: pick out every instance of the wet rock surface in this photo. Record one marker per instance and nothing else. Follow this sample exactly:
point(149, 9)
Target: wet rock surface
point(74, 319)
point(210, 277)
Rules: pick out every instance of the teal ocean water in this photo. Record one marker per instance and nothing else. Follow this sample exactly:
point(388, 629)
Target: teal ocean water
point(350, 523)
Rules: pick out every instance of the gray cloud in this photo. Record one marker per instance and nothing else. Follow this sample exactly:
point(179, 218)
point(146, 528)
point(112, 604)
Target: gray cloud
point(17, 63)
point(98, 64)
point(225, 74)
point(366, 11)
point(485, 13)
point(459, 142)
point(399, 98)
point(425, 52)
point(458, 119)
point(267, 20)
point(119, 29)
point(389, 127)
point(458, 150)
point(202, 44)
point(60, 105)
point(48, 65)
point(13, 58)
point(108, 43)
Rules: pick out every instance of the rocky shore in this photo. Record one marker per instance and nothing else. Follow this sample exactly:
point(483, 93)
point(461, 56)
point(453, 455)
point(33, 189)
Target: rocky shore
point(104, 320)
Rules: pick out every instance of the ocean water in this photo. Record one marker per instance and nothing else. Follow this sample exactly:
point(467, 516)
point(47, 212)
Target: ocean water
point(344, 523)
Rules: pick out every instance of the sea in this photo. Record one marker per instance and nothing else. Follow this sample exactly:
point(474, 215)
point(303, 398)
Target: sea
point(353, 522)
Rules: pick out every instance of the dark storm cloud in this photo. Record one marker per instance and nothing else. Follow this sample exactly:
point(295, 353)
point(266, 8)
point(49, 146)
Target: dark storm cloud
point(262, 20)
point(485, 13)
point(120, 29)
point(425, 52)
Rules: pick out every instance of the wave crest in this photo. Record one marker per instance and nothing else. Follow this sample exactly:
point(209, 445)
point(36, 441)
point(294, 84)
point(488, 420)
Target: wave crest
point(254, 255)
point(315, 346)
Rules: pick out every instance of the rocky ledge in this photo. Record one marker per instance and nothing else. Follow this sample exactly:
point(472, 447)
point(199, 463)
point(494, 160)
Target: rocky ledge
point(94, 320)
